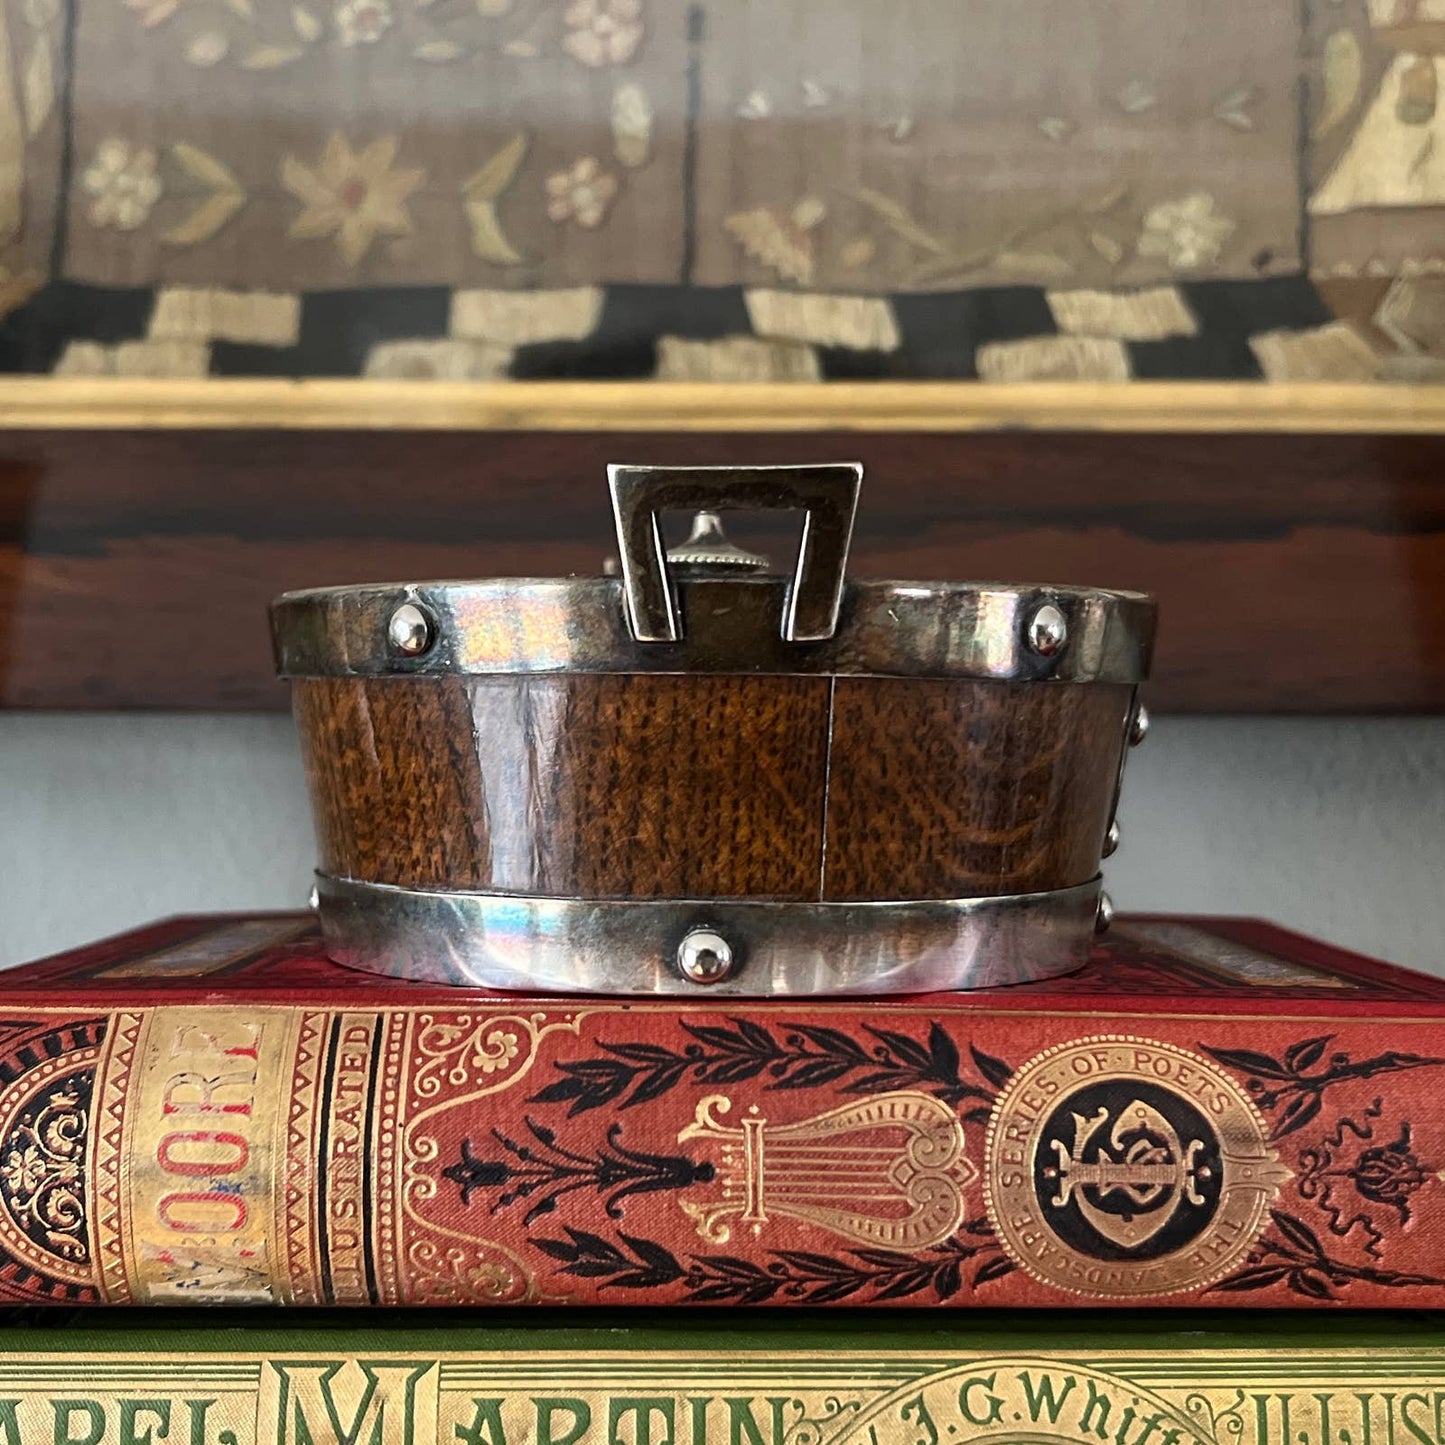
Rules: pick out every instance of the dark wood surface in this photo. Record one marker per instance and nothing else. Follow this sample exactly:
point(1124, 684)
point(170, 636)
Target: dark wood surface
point(660, 786)
point(1300, 573)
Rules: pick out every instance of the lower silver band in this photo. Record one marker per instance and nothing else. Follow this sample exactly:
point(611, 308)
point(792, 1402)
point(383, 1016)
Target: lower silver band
point(758, 950)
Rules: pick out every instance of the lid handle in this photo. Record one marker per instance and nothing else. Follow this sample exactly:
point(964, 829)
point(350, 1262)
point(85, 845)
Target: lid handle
point(826, 494)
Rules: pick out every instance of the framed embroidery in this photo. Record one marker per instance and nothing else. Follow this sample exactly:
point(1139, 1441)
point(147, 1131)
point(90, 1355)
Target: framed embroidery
point(808, 191)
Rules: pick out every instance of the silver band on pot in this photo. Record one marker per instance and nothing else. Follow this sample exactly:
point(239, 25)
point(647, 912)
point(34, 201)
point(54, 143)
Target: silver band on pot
point(981, 630)
point(732, 948)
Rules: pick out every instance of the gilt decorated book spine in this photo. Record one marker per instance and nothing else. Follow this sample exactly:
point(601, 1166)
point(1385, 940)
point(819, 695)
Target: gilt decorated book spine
point(178, 1129)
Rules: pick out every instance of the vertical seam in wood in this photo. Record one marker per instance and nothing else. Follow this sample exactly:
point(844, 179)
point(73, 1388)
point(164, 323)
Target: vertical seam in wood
point(827, 783)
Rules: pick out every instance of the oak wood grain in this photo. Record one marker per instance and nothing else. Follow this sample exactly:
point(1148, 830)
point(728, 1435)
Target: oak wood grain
point(590, 786)
point(952, 789)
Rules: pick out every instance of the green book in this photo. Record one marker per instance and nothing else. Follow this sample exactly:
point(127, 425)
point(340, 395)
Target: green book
point(723, 1378)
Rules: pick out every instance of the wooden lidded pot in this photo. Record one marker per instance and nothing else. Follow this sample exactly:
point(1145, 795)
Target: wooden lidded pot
point(703, 776)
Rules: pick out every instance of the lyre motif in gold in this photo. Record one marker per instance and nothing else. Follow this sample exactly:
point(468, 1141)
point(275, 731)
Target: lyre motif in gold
point(888, 1171)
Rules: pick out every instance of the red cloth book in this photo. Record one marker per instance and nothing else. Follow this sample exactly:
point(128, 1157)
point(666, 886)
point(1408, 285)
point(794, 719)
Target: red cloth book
point(1212, 1112)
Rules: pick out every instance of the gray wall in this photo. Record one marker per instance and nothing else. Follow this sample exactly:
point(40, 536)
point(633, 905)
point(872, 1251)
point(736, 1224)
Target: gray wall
point(1336, 827)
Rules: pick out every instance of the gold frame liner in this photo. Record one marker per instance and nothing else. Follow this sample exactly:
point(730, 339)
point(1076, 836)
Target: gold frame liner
point(81, 403)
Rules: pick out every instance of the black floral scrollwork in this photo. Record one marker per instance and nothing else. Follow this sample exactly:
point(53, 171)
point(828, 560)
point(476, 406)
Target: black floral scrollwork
point(545, 1171)
point(1293, 1255)
point(1296, 1087)
point(971, 1259)
point(42, 1172)
point(805, 1056)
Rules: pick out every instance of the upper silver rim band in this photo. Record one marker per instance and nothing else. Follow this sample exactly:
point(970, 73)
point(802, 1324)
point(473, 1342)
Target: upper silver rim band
point(522, 944)
point(885, 629)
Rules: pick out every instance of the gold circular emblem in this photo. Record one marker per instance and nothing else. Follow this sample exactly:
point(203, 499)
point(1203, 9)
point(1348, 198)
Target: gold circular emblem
point(1121, 1167)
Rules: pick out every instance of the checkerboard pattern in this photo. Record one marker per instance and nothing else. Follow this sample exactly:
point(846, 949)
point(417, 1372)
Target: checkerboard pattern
point(1277, 329)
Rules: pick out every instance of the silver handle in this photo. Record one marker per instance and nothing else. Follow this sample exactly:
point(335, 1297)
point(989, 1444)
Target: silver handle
point(826, 494)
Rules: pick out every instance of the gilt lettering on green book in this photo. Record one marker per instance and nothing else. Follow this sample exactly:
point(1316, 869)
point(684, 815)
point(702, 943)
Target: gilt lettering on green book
point(739, 1379)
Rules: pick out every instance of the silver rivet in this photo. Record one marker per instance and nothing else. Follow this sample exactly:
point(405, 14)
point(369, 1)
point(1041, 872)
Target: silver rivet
point(1111, 839)
point(1139, 728)
point(410, 630)
point(704, 956)
point(1105, 916)
point(1048, 630)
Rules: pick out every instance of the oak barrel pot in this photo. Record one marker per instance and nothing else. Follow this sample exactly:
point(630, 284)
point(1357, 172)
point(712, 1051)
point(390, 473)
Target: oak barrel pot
point(700, 775)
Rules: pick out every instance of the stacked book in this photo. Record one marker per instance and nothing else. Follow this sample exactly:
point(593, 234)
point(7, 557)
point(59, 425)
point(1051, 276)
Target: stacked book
point(1213, 1114)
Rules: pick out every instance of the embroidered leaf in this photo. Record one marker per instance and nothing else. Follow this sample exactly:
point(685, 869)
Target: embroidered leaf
point(489, 241)
point(631, 125)
point(773, 241)
point(203, 167)
point(438, 52)
point(994, 1070)
point(897, 218)
point(271, 57)
point(1106, 200)
point(207, 49)
point(206, 219)
point(1306, 1053)
point(487, 183)
point(38, 86)
point(1343, 68)
point(308, 27)
point(1038, 266)
point(152, 12)
point(857, 253)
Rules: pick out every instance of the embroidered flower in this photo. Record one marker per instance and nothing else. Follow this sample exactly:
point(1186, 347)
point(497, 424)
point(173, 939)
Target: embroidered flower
point(207, 49)
point(603, 32)
point(631, 125)
point(362, 22)
point(582, 194)
point(501, 1050)
point(1186, 232)
point(123, 183)
point(354, 197)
